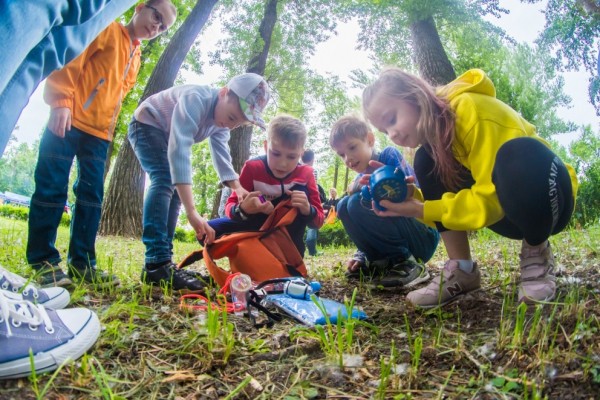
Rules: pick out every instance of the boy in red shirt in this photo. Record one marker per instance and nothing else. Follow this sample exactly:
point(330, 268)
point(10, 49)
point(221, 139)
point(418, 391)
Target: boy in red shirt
point(272, 178)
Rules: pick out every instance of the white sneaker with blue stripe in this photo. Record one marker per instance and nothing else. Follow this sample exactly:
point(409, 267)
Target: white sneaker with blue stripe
point(53, 337)
point(52, 297)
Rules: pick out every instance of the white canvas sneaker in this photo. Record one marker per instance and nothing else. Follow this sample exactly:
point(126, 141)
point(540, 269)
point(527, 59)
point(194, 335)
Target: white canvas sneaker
point(52, 337)
point(52, 297)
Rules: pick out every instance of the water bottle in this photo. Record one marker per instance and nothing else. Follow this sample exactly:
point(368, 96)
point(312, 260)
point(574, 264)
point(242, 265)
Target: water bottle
point(300, 289)
point(239, 287)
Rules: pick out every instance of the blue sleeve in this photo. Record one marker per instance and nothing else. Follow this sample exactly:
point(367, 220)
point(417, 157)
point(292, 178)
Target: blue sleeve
point(391, 156)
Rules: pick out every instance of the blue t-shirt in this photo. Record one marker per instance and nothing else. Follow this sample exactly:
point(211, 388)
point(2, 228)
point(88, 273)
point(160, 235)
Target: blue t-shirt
point(388, 156)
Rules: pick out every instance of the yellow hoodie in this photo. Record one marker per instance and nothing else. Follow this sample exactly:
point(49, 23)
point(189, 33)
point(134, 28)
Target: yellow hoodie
point(94, 84)
point(483, 125)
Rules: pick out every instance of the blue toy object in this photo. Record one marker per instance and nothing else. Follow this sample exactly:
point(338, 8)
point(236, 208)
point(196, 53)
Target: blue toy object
point(386, 183)
point(307, 312)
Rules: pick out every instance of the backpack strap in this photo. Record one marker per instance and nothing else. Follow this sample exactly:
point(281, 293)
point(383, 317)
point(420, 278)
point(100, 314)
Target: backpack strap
point(283, 215)
point(191, 258)
point(254, 300)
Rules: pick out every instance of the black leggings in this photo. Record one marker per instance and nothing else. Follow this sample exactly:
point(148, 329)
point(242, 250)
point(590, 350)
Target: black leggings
point(532, 183)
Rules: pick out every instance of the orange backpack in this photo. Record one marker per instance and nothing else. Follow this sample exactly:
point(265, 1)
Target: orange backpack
point(265, 254)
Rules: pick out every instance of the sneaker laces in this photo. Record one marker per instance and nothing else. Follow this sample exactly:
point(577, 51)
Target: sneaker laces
point(17, 282)
point(15, 311)
point(183, 274)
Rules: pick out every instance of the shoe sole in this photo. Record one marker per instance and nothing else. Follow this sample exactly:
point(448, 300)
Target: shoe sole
point(159, 292)
point(64, 283)
point(58, 302)
point(449, 301)
point(50, 360)
point(102, 285)
point(530, 301)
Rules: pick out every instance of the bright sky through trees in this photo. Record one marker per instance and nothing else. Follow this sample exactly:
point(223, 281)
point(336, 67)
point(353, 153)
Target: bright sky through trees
point(338, 56)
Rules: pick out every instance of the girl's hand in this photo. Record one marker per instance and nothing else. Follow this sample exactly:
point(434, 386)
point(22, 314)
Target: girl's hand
point(252, 204)
point(410, 207)
point(60, 121)
point(299, 201)
point(203, 230)
point(364, 180)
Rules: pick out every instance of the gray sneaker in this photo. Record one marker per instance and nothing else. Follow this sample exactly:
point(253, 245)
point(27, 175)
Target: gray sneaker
point(53, 337)
point(48, 275)
point(537, 274)
point(401, 273)
point(52, 297)
point(451, 284)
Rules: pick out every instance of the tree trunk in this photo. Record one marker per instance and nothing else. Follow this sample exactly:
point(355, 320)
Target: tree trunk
point(241, 138)
point(346, 179)
point(336, 170)
point(109, 152)
point(122, 210)
point(429, 54)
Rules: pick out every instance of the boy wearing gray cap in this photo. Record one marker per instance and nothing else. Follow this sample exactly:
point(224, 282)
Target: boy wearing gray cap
point(162, 132)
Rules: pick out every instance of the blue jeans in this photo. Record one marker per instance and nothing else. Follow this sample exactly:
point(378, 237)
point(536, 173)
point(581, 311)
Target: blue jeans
point(40, 36)
point(51, 187)
point(385, 237)
point(311, 241)
point(162, 204)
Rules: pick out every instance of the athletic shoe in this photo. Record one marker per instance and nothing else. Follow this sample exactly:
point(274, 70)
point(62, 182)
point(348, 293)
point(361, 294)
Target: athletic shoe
point(168, 276)
point(48, 275)
point(537, 274)
point(52, 297)
point(93, 276)
point(450, 285)
point(52, 337)
point(402, 273)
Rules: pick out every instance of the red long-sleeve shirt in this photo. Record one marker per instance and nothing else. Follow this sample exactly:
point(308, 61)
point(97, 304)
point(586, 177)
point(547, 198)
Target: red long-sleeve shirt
point(256, 176)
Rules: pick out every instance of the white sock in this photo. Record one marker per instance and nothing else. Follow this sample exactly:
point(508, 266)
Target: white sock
point(465, 265)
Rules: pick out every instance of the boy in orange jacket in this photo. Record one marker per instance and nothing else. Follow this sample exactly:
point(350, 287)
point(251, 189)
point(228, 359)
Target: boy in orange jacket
point(85, 99)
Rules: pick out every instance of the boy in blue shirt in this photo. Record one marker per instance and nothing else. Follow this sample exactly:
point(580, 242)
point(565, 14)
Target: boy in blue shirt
point(163, 130)
point(390, 250)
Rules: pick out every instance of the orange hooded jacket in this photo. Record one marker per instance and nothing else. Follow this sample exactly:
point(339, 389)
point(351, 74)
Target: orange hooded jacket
point(94, 84)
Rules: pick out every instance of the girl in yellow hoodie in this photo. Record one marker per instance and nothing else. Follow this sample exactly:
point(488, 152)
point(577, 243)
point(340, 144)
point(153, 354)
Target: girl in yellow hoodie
point(479, 164)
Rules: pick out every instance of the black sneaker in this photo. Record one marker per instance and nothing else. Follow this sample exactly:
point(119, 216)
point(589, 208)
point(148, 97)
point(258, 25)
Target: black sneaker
point(48, 275)
point(92, 275)
point(170, 277)
point(401, 273)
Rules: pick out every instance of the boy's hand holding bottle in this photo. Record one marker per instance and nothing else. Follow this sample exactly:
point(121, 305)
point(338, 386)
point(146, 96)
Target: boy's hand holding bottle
point(255, 203)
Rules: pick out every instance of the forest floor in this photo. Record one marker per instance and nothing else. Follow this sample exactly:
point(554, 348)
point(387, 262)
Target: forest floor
point(484, 346)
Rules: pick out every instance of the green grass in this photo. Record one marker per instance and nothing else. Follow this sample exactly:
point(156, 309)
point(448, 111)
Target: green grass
point(483, 346)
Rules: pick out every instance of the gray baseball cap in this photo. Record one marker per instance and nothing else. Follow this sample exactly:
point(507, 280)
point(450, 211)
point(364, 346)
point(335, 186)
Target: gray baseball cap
point(254, 95)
